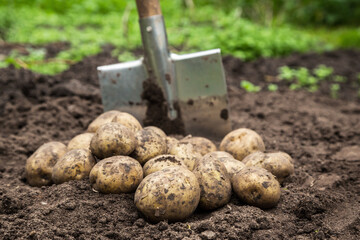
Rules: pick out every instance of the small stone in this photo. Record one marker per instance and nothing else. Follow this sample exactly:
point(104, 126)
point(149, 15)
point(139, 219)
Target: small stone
point(208, 235)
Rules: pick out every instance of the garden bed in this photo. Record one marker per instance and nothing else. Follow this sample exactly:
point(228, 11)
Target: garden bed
point(322, 134)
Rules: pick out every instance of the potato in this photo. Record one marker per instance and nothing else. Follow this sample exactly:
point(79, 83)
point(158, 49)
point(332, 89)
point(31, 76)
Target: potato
point(149, 144)
point(170, 194)
point(214, 183)
point(81, 141)
point(279, 164)
point(74, 165)
point(102, 119)
point(242, 142)
point(117, 174)
point(160, 162)
point(186, 152)
point(40, 164)
point(256, 186)
point(157, 130)
point(170, 141)
point(112, 139)
point(231, 164)
point(201, 144)
point(128, 120)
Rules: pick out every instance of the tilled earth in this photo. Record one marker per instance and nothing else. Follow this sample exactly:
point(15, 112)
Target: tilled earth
point(320, 201)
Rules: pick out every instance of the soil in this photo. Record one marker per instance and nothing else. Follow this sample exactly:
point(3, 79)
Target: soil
point(320, 201)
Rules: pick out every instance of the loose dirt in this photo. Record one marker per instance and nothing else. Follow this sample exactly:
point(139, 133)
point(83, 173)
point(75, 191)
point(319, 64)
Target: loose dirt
point(320, 201)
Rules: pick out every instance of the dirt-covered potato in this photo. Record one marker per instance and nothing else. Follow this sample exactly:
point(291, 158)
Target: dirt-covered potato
point(81, 141)
point(128, 120)
point(256, 186)
point(112, 139)
point(40, 164)
point(157, 130)
point(149, 144)
point(74, 165)
point(231, 164)
point(214, 182)
point(160, 162)
point(187, 153)
point(201, 144)
point(241, 142)
point(102, 119)
point(279, 164)
point(170, 142)
point(170, 194)
point(117, 174)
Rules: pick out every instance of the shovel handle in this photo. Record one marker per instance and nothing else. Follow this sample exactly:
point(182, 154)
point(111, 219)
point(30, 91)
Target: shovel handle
point(148, 8)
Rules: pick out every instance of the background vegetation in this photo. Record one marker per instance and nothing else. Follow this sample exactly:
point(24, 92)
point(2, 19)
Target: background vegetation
point(247, 29)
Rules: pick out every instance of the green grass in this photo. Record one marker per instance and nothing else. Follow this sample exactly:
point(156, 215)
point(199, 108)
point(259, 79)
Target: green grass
point(87, 25)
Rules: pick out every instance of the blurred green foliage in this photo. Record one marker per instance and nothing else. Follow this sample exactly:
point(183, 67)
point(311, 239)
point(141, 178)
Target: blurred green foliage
point(301, 12)
point(310, 80)
point(247, 29)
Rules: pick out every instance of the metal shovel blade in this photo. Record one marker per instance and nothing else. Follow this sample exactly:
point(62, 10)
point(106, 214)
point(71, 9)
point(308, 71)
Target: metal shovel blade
point(201, 91)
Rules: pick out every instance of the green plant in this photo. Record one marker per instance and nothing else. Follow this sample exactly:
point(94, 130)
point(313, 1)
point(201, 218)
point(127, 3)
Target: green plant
point(334, 90)
point(286, 73)
point(339, 79)
point(323, 71)
point(272, 87)
point(249, 87)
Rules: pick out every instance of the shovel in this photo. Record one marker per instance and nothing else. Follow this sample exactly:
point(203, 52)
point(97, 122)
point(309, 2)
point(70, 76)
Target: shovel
point(192, 86)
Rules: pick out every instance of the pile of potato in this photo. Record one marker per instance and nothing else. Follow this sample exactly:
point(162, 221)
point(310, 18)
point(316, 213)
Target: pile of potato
point(170, 177)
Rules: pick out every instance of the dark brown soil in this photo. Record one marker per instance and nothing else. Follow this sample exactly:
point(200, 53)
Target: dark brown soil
point(320, 201)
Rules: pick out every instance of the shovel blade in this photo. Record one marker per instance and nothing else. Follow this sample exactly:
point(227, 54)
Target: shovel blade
point(121, 87)
point(202, 93)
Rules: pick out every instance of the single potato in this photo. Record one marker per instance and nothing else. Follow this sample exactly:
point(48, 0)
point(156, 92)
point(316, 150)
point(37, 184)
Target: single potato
point(102, 119)
point(157, 130)
point(256, 186)
point(231, 164)
point(74, 165)
point(170, 194)
point(149, 144)
point(117, 174)
point(112, 139)
point(214, 183)
point(241, 142)
point(81, 141)
point(128, 120)
point(201, 144)
point(170, 142)
point(187, 153)
point(160, 162)
point(280, 164)
point(40, 164)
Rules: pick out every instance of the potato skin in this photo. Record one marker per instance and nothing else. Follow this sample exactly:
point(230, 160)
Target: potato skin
point(214, 181)
point(170, 142)
point(160, 162)
point(241, 142)
point(279, 164)
point(187, 153)
point(81, 141)
point(40, 164)
point(170, 194)
point(157, 130)
point(231, 164)
point(149, 144)
point(201, 144)
point(127, 120)
point(256, 186)
point(117, 174)
point(102, 119)
point(74, 165)
point(112, 139)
